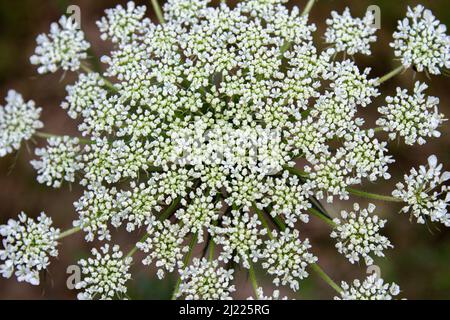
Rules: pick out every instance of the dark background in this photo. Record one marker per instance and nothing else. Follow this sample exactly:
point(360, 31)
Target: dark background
point(419, 263)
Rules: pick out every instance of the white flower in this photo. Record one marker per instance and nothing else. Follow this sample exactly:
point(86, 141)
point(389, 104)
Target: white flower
point(414, 117)
point(18, 122)
point(240, 237)
point(260, 295)
point(358, 236)
point(288, 197)
point(204, 280)
point(372, 288)
point(184, 11)
point(426, 195)
point(84, 94)
point(59, 161)
point(96, 208)
point(199, 214)
point(286, 257)
point(164, 245)
point(105, 274)
point(351, 35)
point(421, 41)
point(123, 24)
point(27, 247)
point(63, 48)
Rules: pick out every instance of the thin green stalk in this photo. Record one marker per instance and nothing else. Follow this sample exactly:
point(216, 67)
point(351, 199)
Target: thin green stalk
point(374, 196)
point(308, 7)
point(165, 215)
point(326, 277)
point(187, 258)
point(318, 214)
point(108, 83)
point(158, 11)
point(45, 135)
point(68, 233)
point(211, 250)
point(297, 172)
point(391, 74)
point(254, 281)
point(263, 221)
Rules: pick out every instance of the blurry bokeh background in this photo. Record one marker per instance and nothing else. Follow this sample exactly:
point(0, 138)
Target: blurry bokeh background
point(420, 262)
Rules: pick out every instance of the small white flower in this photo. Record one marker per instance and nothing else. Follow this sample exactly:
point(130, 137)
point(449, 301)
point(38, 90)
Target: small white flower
point(240, 236)
point(260, 295)
point(372, 288)
point(63, 48)
point(164, 245)
point(123, 24)
point(84, 94)
point(425, 193)
point(19, 120)
point(351, 35)
point(358, 236)
point(105, 274)
point(286, 257)
point(414, 117)
point(204, 280)
point(59, 161)
point(421, 41)
point(27, 247)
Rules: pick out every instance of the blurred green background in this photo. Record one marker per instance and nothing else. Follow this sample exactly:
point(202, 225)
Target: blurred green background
point(420, 262)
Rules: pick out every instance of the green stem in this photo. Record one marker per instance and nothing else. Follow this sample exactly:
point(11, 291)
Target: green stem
point(108, 83)
point(263, 221)
point(254, 281)
point(308, 7)
point(391, 74)
point(211, 250)
point(158, 11)
point(68, 233)
point(373, 196)
point(318, 214)
point(297, 172)
point(326, 277)
point(45, 135)
point(187, 258)
point(280, 223)
point(165, 215)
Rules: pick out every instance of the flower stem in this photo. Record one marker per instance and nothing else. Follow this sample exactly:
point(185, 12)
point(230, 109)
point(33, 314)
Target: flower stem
point(187, 258)
point(391, 74)
point(326, 277)
point(263, 221)
point(158, 11)
point(108, 83)
point(374, 196)
point(68, 233)
point(317, 213)
point(254, 281)
point(165, 215)
point(308, 7)
point(45, 135)
point(297, 172)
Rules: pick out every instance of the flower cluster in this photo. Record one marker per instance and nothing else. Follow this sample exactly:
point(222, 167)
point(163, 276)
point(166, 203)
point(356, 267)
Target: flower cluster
point(372, 288)
point(27, 247)
point(426, 195)
point(204, 280)
point(19, 120)
point(358, 234)
point(105, 274)
point(63, 48)
point(413, 117)
point(287, 257)
point(59, 161)
point(164, 245)
point(351, 35)
point(421, 41)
